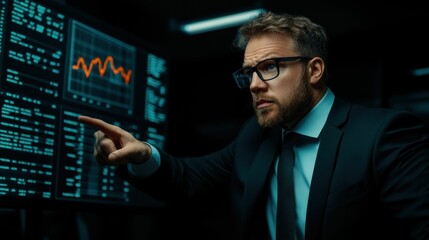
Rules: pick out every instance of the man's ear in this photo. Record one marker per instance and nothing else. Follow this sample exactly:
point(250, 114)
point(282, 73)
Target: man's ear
point(316, 68)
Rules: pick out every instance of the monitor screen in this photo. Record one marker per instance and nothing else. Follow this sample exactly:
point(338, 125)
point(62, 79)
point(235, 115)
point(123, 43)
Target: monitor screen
point(56, 64)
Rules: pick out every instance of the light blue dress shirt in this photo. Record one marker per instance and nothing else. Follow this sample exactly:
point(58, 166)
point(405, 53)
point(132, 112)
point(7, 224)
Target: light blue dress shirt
point(147, 168)
point(305, 158)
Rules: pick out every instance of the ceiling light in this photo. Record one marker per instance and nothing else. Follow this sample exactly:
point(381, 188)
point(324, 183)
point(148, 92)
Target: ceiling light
point(220, 22)
point(420, 72)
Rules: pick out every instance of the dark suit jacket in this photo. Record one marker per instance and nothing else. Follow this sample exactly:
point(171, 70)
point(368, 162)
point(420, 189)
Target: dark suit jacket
point(370, 181)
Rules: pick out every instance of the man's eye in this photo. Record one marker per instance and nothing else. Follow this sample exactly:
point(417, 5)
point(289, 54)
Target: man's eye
point(267, 67)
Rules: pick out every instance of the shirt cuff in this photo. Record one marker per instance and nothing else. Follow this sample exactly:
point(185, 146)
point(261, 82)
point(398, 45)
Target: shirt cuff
point(147, 168)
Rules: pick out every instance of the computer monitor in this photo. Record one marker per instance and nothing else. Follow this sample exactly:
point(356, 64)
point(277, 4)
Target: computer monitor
point(58, 63)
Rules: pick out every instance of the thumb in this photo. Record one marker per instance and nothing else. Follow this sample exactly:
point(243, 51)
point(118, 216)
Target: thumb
point(133, 152)
point(119, 156)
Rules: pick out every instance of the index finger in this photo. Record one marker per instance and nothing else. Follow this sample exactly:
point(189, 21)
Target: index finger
point(108, 129)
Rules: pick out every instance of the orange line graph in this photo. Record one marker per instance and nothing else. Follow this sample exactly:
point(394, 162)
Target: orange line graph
point(102, 67)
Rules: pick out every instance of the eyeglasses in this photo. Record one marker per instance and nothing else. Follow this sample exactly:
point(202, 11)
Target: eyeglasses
point(266, 70)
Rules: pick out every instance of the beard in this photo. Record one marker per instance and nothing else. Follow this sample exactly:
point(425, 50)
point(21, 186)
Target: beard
point(287, 113)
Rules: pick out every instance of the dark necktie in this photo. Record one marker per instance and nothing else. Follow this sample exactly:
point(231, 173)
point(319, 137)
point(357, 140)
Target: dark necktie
point(286, 222)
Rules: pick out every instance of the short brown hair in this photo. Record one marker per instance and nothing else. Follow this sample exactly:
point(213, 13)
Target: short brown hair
point(310, 38)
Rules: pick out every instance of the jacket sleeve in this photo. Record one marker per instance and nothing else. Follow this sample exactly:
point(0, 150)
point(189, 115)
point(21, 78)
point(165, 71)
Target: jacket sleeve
point(401, 153)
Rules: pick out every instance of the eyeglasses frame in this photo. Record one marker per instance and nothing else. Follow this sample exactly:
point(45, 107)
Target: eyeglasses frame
point(276, 60)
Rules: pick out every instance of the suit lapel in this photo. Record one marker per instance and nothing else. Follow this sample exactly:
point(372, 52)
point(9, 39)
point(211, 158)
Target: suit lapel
point(330, 138)
point(257, 179)
point(325, 162)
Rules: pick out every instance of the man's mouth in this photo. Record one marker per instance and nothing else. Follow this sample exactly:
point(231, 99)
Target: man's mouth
point(263, 103)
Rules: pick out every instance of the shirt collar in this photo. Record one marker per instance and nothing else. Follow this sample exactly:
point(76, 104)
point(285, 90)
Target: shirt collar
point(312, 123)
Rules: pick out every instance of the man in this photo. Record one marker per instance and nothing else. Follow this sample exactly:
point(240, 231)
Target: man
point(358, 173)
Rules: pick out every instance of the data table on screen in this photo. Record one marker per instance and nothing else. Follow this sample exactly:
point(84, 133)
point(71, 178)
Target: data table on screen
point(57, 64)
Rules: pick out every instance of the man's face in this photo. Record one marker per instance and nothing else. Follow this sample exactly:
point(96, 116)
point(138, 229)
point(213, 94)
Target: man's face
point(284, 100)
